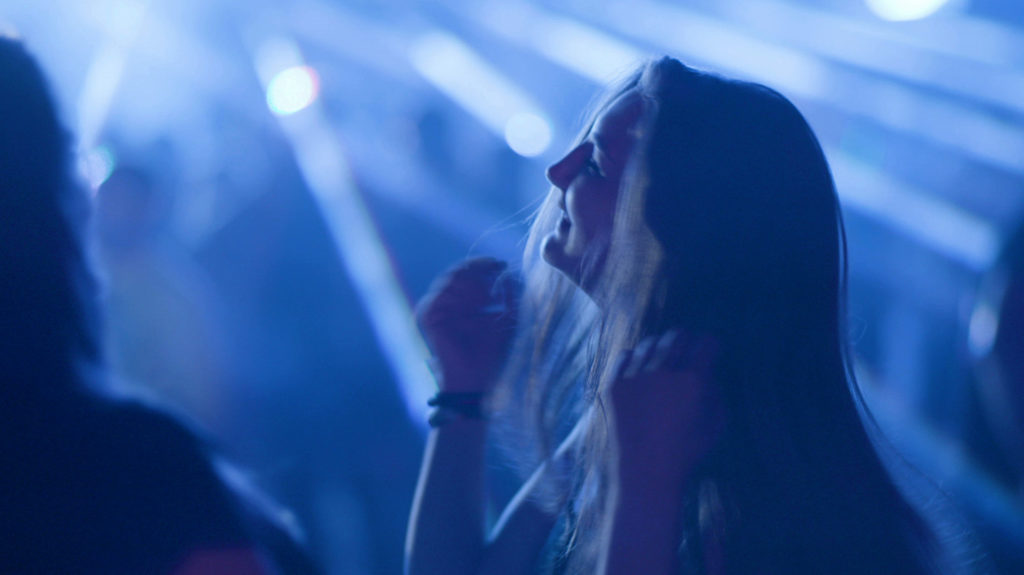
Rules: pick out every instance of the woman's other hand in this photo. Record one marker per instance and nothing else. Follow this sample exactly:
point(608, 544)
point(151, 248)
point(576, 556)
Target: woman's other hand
point(666, 412)
point(468, 319)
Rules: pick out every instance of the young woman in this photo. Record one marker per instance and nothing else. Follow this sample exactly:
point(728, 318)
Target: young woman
point(678, 353)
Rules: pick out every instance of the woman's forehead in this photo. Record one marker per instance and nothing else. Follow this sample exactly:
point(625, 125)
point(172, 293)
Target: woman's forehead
point(613, 129)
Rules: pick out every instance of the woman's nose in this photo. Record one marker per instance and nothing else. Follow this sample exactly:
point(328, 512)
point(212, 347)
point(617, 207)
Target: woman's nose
point(558, 174)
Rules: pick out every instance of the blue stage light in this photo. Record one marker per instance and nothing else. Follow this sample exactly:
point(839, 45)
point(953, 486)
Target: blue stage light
point(527, 134)
point(900, 10)
point(292, 90)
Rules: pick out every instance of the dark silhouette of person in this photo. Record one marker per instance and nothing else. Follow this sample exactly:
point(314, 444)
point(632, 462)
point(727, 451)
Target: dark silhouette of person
point(163, 334)
point(91, 483)
point(997, 340)
point(996, 343)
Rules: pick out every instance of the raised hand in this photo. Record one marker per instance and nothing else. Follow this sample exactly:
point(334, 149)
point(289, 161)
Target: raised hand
point(666, 411)
point(468, 319)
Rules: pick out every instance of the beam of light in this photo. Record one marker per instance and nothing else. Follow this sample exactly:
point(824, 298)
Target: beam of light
point(984, 75)
point(9, 31)
point(975, 134)
point(292, 90)
point(982, 330)
point(946, 459)
point(584, 50)
point(903, 10)
point(123, 23)
point(981, 40)
point(96, 166)
point(527, 134)
point(390, 170)
point(465, 77)
point(939, 225)
point(325, 168)
point(351, 35)
point(949, 230)
point(954, 38)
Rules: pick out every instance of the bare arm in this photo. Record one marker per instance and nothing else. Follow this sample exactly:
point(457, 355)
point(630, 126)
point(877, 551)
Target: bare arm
point(468, 319)
point(523, 528)
point(450, 496)
point(446, 528)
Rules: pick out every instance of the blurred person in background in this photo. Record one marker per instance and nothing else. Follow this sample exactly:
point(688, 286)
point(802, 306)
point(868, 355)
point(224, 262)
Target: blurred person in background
point(677, 362)
point(998, 346)
point(996, 342)
point(162, 337)
point(91, 483)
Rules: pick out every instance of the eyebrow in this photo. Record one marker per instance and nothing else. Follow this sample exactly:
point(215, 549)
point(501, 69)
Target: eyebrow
point(602, 146)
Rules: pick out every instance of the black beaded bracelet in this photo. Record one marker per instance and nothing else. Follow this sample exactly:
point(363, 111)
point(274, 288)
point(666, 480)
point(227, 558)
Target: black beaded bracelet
point(456, 399)
point(455, 405)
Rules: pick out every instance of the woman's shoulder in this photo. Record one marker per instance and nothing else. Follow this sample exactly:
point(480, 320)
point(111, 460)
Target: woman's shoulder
point(112, 486)
point(135, 424)
point(160, 461)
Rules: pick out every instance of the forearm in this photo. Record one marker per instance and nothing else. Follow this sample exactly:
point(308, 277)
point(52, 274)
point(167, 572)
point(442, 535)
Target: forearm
point(446, 527)
point(643, 529)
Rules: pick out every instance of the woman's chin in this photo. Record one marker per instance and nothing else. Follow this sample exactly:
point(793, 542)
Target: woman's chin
point(552, 249)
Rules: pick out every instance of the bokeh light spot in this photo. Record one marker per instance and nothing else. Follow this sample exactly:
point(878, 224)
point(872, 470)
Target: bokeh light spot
point(292, 90)
point(527, 134)
point(982, 331)
point(902, 10)
point(9, 31)
point(96, 165)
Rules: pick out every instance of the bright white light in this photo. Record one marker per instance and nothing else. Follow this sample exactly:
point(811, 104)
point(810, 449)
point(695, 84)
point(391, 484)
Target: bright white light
point(580, 48)
point(103, 77)
point(483, 91)
point(901, 10)
point(322, 160)
point(944, 227)
point(982, 332)
point(9, 31)
point(96, 166)
point(292, 90)
point(527, 134)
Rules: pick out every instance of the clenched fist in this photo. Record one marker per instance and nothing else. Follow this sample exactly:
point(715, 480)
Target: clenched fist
point(468, 319)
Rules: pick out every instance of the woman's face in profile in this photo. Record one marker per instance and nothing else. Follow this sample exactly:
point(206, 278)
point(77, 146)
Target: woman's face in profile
point(587, 180)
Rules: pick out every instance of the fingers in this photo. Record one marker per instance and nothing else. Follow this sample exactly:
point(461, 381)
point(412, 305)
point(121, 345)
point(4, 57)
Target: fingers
point(668, 347)
point(508, 290)
point(640, 360)
point(506, 294)
point(467, 288)
point(473, 279)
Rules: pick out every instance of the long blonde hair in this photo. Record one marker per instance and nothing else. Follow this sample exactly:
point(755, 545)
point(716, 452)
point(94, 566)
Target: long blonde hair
point(727, 224)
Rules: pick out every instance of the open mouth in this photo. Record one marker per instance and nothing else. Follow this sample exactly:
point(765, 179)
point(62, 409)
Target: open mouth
point(564, 224)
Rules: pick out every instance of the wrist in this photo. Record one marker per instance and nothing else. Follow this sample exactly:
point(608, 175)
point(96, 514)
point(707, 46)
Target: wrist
point(461, 379)
point(452, 406)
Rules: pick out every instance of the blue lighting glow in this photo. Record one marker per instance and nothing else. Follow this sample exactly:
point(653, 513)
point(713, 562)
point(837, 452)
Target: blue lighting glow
point(528, 134)
point(96, 165)
point(482, 90)
point(8, 30)
point(292, 90)
point(902, 10)
point(983, 329)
